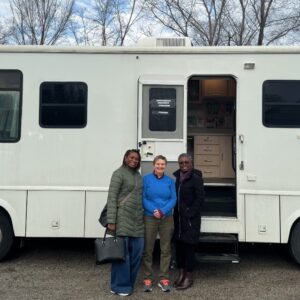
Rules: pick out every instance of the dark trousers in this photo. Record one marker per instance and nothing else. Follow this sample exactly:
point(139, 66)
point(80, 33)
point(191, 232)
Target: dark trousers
point(185, 256)
point(123, 274)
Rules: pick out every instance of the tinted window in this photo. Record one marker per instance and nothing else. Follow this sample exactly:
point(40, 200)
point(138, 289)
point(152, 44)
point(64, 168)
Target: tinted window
point(63, 104)
point(10, 105)
point(162, 109)
point(281, 103)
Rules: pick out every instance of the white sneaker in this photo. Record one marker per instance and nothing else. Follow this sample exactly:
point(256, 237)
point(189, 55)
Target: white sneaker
point(123, 294)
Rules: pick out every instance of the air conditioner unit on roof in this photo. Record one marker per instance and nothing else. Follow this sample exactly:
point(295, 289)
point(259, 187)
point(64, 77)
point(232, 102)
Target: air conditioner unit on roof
point(165, 42)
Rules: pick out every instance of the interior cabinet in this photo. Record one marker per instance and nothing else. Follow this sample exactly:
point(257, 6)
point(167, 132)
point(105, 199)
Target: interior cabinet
point(213, 155)
point(218, 88)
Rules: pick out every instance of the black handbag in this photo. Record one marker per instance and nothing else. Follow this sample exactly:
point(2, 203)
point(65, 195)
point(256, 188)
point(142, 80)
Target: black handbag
point(109, 249)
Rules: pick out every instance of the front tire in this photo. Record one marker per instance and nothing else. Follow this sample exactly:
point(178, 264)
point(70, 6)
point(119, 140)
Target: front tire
point(6, 235)
point(294, 243)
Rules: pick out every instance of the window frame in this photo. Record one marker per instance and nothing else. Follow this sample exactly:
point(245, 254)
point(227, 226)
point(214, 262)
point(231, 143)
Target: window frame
point(264, 104)
point(85, 105)
point(20, 90)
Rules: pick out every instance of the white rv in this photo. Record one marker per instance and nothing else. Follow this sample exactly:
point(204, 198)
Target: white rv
point(67, 115)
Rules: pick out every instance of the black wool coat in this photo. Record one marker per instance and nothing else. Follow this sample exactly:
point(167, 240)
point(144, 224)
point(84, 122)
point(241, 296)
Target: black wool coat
point(187, 212)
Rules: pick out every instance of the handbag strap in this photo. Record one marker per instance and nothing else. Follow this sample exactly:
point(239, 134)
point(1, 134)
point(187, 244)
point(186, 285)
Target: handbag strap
point(127, 197)
point(104, 238)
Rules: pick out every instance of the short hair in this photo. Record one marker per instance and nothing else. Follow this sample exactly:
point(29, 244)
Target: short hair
point(127, 153)
point(187, 155)
point(158, 157)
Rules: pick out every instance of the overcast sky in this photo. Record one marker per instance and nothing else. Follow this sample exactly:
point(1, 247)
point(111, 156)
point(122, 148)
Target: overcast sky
point(4, 7)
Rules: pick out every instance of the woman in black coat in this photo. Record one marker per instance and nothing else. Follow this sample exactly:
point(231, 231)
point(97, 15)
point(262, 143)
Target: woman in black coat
point(187, 218)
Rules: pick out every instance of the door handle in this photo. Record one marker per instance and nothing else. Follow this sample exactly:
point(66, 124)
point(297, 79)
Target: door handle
point(242, 140)
point(140, 144)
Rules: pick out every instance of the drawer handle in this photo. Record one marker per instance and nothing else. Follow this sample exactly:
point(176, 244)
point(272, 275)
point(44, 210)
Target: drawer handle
point(207, 160)
point(208, 172)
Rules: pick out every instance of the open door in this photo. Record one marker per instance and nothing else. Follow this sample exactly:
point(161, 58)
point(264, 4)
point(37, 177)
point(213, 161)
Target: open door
point(161, 125)
point(211, 130)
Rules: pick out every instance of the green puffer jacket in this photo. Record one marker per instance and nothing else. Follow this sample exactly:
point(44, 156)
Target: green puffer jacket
point(127, 215)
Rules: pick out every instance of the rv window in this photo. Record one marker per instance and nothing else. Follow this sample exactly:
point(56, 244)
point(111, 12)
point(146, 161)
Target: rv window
point(63, 104)
point(10, 105)
point(162, 109)
point(281, 103)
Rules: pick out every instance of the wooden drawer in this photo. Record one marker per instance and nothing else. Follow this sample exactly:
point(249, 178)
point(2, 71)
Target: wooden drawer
point(207, 160)
point(208, 171)
point(207, 149)
point(206, 139)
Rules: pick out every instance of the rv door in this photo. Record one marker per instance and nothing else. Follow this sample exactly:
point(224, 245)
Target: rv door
point(161, 126)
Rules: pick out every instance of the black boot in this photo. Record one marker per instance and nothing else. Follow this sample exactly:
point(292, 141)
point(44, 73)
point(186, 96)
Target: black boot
point(186, 282)
point(179, 278)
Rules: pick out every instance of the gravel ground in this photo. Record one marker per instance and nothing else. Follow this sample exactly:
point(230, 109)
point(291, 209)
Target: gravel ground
point(65, 269)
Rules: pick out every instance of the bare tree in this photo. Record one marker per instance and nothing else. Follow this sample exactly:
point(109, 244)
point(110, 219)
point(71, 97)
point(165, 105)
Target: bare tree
point(103, 16)
point(275, 19)
point(202, 21)
point(127, 14)
point(174, 15)
point(228, 22)
point(115, 19)
point(83, 29)
point(241, 26)
point(4, 34)
point(209, 22)
point(262, 22)
point(40, 22)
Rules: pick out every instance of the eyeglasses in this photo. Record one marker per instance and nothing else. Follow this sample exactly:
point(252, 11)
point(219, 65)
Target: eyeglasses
point(184, 162)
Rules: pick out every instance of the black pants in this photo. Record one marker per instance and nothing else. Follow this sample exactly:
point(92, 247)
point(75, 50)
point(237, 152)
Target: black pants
point(185, 256)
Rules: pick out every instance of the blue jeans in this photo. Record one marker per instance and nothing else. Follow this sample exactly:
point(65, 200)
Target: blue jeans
point(123, 274)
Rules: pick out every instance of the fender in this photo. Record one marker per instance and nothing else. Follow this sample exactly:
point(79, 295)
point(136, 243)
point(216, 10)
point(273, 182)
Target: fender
point(288, 224)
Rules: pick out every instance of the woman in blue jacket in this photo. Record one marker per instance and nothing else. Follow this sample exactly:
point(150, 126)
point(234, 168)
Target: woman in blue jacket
point(159, 199)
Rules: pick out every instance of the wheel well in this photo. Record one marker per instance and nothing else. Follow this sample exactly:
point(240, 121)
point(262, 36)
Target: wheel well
point(292, 227)
point(4, 211)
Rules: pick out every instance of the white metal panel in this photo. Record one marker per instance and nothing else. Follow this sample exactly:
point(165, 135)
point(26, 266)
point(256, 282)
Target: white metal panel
point(221, 225)
point(55, 214)
point(262, 218)
point(290, 212)
point(95, 202)
point(14, 202)
point(240, 206)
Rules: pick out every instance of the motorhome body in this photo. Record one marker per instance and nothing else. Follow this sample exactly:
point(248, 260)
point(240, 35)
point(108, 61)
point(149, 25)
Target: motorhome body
point(68, 115)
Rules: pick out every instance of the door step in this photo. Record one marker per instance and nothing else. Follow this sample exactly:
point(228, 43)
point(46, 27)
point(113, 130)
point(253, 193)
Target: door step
point(218, 248)
point(217, 258)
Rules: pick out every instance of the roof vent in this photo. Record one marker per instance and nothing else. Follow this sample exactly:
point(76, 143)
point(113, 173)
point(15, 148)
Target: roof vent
point(165, 42)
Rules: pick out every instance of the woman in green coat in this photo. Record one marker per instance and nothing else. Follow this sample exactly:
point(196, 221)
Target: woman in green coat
point(125, 217)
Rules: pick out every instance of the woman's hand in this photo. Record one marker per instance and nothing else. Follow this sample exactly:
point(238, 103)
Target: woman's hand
point(111, 227)
point(156, 214)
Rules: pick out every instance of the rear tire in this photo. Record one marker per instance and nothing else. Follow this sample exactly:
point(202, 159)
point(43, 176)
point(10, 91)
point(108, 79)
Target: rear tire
point(294, 243)
point(6, 235)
